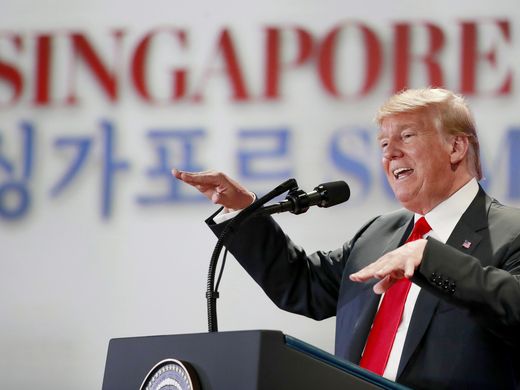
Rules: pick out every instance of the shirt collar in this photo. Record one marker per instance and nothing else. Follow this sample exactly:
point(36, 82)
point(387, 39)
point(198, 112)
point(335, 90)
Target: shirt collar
point(446, 214)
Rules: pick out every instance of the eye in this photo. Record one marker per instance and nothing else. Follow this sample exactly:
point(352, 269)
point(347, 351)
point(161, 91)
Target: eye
point(406, 136)
point(383, 144)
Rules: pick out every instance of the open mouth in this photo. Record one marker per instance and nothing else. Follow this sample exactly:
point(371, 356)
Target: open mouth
point(402, 173)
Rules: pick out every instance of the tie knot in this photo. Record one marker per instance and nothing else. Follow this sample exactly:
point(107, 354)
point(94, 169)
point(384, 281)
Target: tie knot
point(420, 228)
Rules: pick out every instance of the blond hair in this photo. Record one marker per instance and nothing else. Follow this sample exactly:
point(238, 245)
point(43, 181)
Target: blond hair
point(448, 111)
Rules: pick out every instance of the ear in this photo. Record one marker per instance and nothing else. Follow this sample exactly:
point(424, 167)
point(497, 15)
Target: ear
point(459, 151)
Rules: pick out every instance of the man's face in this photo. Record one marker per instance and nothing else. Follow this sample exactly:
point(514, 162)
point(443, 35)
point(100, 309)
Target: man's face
point(416, 160)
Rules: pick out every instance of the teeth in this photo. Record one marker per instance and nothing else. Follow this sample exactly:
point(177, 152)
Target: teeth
point(398, 171)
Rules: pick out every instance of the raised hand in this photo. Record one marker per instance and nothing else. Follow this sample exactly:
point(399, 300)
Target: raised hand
point(218, 187)
point(392, 266)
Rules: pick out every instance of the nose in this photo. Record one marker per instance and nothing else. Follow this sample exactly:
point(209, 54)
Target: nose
point(392, 151)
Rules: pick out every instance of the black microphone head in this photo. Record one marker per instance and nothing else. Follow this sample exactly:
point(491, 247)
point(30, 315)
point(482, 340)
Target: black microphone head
point(333, 193)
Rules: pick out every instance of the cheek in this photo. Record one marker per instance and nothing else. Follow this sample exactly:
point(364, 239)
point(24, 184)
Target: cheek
point(434, 169)
point(385, 164)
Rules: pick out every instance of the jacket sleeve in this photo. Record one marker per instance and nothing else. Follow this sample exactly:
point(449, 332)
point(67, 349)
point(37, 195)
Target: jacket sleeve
point(293, 280)
point(490, 291)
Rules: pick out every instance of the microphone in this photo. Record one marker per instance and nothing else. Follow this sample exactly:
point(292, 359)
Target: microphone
point(298, 202)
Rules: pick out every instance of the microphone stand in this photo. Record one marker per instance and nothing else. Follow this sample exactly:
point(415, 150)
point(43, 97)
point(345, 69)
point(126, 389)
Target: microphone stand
point(211, 292)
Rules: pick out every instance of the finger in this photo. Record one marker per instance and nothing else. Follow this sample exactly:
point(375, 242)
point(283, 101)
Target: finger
point(176, 173)
point(359, 276)
point(393, 269)
point(217, 198)
point(384, 284)
point(386, 266)
point(204, 188)
point(383, 272)
point(409, 269)
point(364, 274)
point(198, 178)
point(373, 270)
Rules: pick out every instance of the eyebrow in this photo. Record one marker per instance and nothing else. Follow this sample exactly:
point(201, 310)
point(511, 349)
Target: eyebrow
point(401, 127)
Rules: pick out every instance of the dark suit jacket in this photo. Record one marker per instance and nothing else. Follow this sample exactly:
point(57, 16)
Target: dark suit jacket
point(465, 328)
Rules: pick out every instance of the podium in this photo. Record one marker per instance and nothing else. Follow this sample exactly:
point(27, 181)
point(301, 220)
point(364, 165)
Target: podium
point(243, 360)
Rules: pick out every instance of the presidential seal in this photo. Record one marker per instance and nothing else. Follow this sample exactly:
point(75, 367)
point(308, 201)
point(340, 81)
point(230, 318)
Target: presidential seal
point(171, 374)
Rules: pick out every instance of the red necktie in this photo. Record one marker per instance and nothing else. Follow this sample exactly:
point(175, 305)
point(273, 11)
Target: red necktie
point(388, 317)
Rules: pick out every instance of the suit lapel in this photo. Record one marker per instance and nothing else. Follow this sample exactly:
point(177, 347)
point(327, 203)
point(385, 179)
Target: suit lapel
point(363, 324)
point(465, 238)
point(399, 237)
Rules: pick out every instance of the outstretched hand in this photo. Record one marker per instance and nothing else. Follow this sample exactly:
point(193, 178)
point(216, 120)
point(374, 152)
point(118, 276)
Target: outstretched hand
point(392, 266)
point(218, 187)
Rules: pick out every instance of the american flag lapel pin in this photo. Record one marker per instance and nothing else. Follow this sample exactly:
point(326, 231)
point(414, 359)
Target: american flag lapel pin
point(466, 244)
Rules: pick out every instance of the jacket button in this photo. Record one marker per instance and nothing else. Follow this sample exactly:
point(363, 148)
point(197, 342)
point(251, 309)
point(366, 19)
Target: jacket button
point(453, 287)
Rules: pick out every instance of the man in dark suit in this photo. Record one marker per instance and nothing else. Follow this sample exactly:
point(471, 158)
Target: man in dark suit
point(457, 324)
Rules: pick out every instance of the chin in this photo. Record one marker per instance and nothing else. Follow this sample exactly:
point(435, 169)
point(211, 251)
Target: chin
point(406, 200)
point(402, 194)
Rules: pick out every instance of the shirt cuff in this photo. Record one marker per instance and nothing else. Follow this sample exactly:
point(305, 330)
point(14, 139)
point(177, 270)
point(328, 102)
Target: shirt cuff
point(224, 216)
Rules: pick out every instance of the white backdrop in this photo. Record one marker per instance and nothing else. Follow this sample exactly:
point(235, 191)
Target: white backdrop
point(77, 269)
